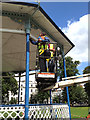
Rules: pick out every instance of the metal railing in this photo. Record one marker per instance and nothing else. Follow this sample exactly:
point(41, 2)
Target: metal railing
point(35, 111)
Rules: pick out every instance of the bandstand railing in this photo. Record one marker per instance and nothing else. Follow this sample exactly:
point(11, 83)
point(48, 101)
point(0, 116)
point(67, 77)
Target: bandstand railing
point(35, 111)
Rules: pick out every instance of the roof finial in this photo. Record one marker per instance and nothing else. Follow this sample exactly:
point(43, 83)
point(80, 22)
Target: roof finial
point(38, 1)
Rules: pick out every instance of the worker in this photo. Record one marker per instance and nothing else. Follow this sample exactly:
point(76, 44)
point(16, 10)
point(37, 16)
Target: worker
point(88, 117)
point(44, 53)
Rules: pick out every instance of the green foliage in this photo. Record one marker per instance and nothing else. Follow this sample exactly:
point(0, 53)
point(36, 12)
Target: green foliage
point(13, 101)
point(40, 97)
point(71, 67)
point(57, 99)
point(77, 94)
point(87, 88)
point(8, 84)
point(86, 70)
point(87, 85)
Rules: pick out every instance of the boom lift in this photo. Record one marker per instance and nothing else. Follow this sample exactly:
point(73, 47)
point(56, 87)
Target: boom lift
point(49, 77)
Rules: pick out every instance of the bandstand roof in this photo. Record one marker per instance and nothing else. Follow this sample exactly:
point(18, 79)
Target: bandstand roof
point(13, 34)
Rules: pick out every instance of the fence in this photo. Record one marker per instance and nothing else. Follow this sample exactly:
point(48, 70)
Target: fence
point(36, 112)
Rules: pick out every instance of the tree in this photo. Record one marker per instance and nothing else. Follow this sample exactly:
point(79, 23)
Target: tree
point(71, 67)
point(8, 84)
point(87, 85)
point(40, 97)
point(13, 101)
point(86, 70)
point(71, 70)
point(57, 99)
point(76, 93)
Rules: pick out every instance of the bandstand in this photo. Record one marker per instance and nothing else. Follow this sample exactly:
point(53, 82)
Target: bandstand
point(20, 21)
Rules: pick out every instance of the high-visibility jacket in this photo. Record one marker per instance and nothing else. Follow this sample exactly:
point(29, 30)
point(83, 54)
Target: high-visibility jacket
point(42, 46)
point(88, 117)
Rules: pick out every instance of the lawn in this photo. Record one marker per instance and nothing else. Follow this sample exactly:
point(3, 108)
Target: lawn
point(79, 112)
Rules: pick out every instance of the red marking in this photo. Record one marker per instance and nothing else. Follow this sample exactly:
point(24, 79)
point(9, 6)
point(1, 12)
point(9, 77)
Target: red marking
point(46, 73)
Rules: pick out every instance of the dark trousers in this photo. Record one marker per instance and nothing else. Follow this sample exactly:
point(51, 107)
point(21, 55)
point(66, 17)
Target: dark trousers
point(51, 66)
point(42, 63)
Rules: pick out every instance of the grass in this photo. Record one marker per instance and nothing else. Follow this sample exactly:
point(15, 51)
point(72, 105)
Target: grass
point(79, 112)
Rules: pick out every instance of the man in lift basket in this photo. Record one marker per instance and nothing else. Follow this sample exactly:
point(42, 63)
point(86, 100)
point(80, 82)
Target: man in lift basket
point(43, 48)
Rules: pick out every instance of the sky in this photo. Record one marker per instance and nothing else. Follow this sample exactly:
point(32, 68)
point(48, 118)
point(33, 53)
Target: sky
point(72, 18)
point(48, 0)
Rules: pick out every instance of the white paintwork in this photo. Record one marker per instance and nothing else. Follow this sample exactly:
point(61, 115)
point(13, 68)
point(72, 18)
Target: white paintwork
point(43, 111)
point(46, 75)
point(84, 79)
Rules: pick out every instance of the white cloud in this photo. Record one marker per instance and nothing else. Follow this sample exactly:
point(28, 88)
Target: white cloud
point(77, 32)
